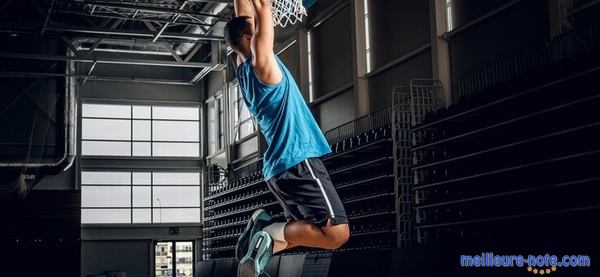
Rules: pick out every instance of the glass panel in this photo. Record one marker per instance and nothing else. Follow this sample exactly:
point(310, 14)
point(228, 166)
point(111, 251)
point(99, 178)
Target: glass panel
point(106, 129)
point(108, 111)
point(105, 148)
point(246, 128)
point(184, 251)
point(142, 178)
point(141, 216)
point(185, 113)
point(172, 196)
point(141, 112)
point(165, 149)
point(163, 259)
point(105, 178)
point(212, 128)
point(108, 196)
point(176, 178)
point(141, 130)
point(244, 110)
point(175, 131)
point(142, 196)
point(221, 122)
point(105, 216)
point(176, 215)
point(141, 149)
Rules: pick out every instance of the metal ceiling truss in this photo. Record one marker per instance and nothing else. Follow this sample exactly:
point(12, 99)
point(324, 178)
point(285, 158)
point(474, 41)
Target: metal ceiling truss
point(166, 14)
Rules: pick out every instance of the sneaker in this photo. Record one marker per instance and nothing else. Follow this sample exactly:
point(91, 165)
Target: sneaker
point(259, 219)
point(260, 252)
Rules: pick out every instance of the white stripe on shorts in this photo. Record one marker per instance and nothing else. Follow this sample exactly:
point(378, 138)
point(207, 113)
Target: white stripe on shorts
point(321, 187)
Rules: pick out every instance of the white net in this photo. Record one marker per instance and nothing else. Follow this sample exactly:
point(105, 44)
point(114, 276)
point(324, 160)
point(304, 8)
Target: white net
point(287, 11)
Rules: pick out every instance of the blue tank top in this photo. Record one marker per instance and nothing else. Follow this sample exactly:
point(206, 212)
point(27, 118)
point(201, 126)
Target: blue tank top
point(291, 132)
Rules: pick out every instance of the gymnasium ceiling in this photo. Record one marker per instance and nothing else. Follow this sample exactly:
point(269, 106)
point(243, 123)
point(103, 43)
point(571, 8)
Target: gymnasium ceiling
point(172, 33)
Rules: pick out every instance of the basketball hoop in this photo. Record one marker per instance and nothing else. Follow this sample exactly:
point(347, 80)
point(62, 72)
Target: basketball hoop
point(287, 11)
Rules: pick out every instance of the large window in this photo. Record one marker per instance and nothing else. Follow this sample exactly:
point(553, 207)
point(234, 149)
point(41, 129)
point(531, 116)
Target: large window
point(243, 123)
point(140, 197)
point(311, 93)
point(449, 21)
point(216, 127)
point(141, 131)
point(367, 36)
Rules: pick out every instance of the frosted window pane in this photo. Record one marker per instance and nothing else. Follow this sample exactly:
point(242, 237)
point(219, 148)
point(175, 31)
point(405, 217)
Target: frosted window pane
point(141, 178)
point(141, 215)
point(141, 149)
point(113, 196)
point(105, 148)
point(176, 178)
point(141, 130)
point(212, 143)
point(109, 111)
point(176, 215)
point(177, 196)
point(105, 216)
point(164, 149)
point(106, 129)
point(141, 112)
point(244, 111)
point(185, 113)
point(246, 128)
point(141, 197)
point(105, 178)
point(175, 131)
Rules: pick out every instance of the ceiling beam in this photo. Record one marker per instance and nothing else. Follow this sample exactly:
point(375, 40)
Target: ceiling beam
point(47, 17)
point(104, 60)
point(145, 8)
point(213, 1)
point(131, 33)
point(15, 74)
point(175, 17)
point(97, 15)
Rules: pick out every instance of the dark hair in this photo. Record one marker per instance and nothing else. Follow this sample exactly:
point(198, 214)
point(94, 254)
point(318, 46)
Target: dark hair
point(235, 29)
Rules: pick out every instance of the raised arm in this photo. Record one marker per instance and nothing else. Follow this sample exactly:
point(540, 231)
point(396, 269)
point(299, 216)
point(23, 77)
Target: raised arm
point(243, 8)
point(263, 57)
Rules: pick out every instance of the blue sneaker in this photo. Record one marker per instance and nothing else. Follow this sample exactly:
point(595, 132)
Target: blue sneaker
point(260, 252)
point(259, 219)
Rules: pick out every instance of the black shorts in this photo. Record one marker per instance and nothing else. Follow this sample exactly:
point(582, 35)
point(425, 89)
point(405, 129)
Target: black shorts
point(305, 191)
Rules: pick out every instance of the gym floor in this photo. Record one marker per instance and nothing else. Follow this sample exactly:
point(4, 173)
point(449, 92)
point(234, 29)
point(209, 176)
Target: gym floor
point(460, 129)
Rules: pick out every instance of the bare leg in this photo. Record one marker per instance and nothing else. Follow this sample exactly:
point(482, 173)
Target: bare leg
point(304, 233)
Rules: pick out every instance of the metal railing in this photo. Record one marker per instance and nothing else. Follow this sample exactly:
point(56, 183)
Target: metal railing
point(410, 105)
point(358, 126)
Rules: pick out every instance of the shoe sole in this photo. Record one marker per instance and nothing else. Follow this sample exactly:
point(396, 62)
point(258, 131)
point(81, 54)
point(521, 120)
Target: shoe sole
point(254, 262)
point(240, 247)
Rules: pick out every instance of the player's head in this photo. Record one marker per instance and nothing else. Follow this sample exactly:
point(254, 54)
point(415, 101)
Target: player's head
point(238, 34)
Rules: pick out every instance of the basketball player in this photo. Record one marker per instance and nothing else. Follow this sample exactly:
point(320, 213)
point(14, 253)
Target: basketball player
point(292, 168)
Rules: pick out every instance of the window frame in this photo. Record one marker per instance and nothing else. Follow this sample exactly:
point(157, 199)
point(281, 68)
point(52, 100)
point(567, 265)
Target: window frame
point(132, 119)
point(216, 133)
point(236, 104)
point(152, 206)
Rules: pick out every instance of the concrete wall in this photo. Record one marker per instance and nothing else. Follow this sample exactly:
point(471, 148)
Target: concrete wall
point(128, 248)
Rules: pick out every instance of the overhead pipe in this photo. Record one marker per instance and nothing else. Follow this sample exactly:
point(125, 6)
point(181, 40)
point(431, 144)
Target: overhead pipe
point(69, 151)
point(146, 8)
point(103, 60)
point(129, 33)
point(14, 74)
